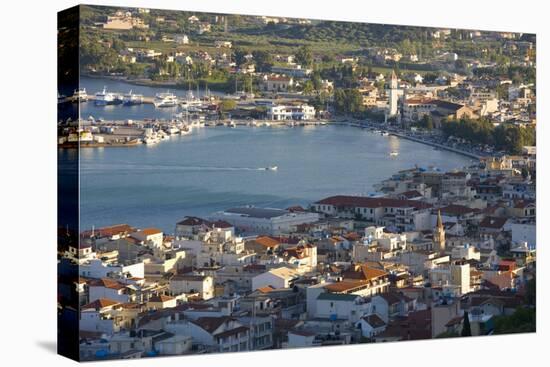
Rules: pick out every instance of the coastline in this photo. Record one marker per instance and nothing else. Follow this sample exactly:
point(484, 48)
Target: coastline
point(278, 124)
point(369, 124)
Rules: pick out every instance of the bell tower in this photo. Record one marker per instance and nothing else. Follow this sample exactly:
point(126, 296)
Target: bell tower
point(393, 95)
point(439, 234)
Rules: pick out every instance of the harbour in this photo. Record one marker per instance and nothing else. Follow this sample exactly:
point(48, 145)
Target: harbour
point(218, 167)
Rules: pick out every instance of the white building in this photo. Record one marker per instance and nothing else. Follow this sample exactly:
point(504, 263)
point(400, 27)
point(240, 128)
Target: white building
point(218, 334)
point(300, 339)
point(283, 112)
point(455, 275)
point(182, 39)
point(277, 278)
point(339, 306)
point(371, 325)
point(265, 220)
point(386, 241)
point(524, 232)
point(97, 269)
point(188, 283)
point(151, 237)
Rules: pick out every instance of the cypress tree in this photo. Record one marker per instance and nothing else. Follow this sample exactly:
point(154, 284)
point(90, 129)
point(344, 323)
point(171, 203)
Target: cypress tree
point(466, 330)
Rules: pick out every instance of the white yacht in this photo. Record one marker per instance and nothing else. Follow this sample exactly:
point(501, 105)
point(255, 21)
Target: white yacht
point(104, 98)
point(172, 130)
point(191, 103)
point(393, 153)
point(150, 140)
point(165, 100)
point(197, 123)
point(80, 94)
point(131, 99)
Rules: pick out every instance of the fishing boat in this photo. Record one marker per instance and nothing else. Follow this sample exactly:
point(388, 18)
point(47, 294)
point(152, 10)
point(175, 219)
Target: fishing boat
point(104, 98)
point(131, 99)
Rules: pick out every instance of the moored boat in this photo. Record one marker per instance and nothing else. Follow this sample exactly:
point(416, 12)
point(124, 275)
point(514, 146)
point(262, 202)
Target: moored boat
point(131, 99)
point(104, 98)
point(166, 99)
point(80, 95)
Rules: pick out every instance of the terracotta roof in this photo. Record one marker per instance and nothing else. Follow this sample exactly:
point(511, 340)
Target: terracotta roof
point(234, 331)
point(111, 230)
point(521, 204)
point(150, 231)
point(412, 101)
point(368, 202)
point(210, 324)
point(265, 289)
point(221, 224)
point(107, 283)
point(193, 221)
point(161, 298)
point(267, 241)
point(493, 222)
point(411, 194)
point(100, 303)
point(363, 272)
point(352, 236)
point(374, 320)
point(393, 298)
point(344, 286)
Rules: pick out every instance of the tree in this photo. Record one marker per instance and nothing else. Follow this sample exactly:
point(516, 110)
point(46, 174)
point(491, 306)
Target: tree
point(427, 122)
point(348, 101)
point(316, 80)
point(466, 329)
point(263, 60)
point(523, 320)
point(307, 87)
point(530, 292)
point(304, 56)
point(227, 105)
point(240, 56)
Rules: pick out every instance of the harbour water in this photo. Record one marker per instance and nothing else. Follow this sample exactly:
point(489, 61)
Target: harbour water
point(217, 168)
point(137, 112)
